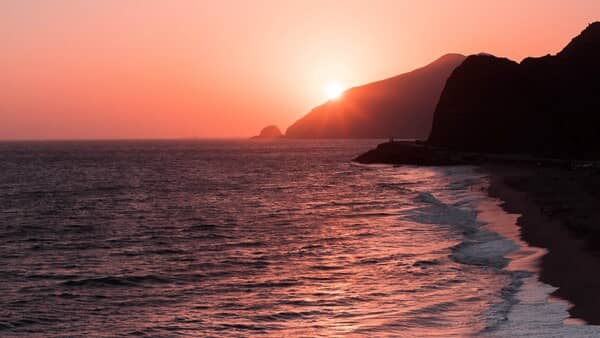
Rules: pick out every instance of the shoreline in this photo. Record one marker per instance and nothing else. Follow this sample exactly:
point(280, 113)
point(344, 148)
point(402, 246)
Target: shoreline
point(556, 200)
point(556, 212)
point(421, 154)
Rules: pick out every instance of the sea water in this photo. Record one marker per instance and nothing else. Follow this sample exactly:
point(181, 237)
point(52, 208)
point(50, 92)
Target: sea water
point(241, 238)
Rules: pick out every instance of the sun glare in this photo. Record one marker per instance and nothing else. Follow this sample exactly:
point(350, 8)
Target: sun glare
point(333, 90)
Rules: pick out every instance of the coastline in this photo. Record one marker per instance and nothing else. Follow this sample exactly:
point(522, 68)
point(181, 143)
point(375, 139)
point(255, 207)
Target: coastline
point(551, 204)
point(422, 154)
point(557, 213)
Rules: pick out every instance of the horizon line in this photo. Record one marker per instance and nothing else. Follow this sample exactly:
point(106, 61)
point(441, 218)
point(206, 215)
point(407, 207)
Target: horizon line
point(190, 138)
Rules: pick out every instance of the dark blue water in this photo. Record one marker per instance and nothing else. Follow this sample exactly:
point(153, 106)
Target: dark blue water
point(237, 238)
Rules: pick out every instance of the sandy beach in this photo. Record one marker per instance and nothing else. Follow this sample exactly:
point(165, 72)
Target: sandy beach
point(558, 208)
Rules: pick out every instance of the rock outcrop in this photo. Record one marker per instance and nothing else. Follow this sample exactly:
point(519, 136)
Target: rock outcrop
point(268, 133)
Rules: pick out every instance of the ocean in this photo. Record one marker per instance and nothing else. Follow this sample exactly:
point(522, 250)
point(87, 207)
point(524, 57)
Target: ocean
point(235, 238)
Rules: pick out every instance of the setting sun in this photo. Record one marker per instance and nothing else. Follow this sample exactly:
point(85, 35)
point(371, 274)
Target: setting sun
point(333, 90)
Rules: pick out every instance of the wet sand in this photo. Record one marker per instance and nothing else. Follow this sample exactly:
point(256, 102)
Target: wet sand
point(560, 212)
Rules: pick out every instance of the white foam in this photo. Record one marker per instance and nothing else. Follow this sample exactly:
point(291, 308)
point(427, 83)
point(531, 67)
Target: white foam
point(528, 311)
point(490, 251)
point(535, 316)
point(492, 238)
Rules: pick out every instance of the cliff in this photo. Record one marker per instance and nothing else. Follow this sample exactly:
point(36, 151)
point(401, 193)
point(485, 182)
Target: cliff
point(547, 106)
point(400, 107)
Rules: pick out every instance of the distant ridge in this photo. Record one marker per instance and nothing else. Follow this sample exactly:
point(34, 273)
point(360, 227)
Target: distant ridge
point(401, 106)
point(548, 106)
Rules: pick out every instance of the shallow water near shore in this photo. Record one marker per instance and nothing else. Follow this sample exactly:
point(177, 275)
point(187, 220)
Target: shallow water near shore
point(241, 238)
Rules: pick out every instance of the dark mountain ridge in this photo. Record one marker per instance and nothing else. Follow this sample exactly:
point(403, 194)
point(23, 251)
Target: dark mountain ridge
point(547, 106)
point(401, 106)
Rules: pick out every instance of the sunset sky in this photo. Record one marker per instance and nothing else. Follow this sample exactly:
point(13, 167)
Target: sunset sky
point(73, 69)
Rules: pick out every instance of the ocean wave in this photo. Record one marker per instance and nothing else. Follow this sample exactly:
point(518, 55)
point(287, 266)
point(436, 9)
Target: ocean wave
point(488, 249)
point(222, 243)
point(426, 263)
point(116, 281)
point(478, 246)
point(289, 315)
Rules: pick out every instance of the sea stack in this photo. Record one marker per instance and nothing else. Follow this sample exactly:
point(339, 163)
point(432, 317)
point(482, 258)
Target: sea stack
point(268, 133)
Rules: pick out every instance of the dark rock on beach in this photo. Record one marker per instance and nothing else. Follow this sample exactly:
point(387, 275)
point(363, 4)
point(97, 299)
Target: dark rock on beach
point(420, 153)
point(413, 153)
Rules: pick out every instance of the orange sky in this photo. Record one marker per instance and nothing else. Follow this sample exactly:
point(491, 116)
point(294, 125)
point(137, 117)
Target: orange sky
point(74, 69)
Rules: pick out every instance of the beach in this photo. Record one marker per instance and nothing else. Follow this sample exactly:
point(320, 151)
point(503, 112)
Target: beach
point(557, 208)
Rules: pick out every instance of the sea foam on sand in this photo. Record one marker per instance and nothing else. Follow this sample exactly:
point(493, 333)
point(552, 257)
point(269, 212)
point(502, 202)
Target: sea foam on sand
point(532, 311)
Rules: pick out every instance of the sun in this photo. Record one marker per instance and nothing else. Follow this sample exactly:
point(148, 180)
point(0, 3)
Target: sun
point(333, 90)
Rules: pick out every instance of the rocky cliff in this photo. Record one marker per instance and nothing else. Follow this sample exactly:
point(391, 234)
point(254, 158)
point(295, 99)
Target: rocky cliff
point(548, 106)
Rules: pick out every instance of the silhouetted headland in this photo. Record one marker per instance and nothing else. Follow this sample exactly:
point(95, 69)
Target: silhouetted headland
point(547, 108)
point(400, 106)
point(268, 133)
